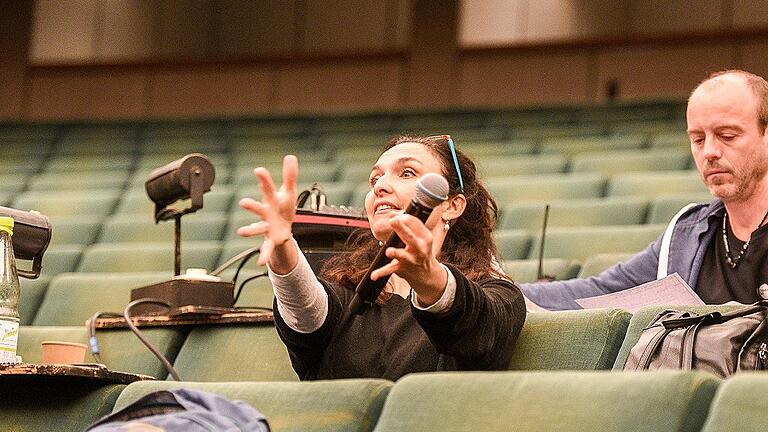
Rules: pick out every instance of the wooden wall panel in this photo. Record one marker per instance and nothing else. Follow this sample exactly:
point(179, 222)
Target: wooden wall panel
point(256, 27)
point(78, 94)
point(524, 79)
point(128, 30)
point(676, 16)
point(748, 14)
point(345, 25)
point(364, 85)
point(11, 91)
point(63, 31)
point(754, 58)
point(187, 29)
point(660, 73)
point(210, 91)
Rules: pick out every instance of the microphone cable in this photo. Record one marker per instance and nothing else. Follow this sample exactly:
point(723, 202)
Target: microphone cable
point(95, 350)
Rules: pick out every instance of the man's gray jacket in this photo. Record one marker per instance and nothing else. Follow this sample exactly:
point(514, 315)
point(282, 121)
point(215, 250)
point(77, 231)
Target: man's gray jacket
point(690, 238)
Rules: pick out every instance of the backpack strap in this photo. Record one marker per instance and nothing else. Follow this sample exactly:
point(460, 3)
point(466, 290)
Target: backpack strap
point(666, 240)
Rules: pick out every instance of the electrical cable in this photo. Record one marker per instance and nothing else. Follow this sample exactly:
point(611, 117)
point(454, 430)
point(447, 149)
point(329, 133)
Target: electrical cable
point(92, 333)
point(135, 330)
point(240, 288)
point(242, 255)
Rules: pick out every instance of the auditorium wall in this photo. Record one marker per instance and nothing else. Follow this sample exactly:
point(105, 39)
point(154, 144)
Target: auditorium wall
point(129, 59)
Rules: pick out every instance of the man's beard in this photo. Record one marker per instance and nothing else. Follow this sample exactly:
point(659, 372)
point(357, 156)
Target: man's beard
point(744, 181)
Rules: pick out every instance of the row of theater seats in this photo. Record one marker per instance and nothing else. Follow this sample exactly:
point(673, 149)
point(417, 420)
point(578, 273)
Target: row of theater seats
point(237, 361)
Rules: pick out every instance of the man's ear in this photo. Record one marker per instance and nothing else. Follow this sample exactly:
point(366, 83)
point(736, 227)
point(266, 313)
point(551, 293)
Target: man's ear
point(454, 207)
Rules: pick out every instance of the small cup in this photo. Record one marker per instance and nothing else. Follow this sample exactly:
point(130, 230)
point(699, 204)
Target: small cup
point(63, 352)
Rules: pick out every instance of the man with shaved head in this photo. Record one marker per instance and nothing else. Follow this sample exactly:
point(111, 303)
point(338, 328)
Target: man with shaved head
point(719, 248)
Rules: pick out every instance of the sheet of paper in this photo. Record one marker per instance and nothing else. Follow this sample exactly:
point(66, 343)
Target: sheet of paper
point(671, 290)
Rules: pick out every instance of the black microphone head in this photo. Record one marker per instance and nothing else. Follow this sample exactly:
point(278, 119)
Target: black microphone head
point(431, 190)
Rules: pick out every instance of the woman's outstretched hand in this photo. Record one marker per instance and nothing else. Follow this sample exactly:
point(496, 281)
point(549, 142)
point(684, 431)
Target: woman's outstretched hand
point(416, 263)
point(276, 210)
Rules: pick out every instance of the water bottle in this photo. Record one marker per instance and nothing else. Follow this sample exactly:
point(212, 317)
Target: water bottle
point(9, 294)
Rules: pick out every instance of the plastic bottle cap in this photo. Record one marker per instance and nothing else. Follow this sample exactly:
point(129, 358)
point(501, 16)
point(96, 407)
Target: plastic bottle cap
point(6, 224)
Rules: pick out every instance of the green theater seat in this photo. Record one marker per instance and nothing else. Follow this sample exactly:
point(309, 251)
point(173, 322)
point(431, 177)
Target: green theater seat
point(596, 264)
point(573, 146)
point(654, 184)
point(664, 208)
point(512, 244)
point(31, 296)
point(81, 230)
point(234, 353)
point(59, 258)
point(581, 242)
point(320, 406)
point(200, 226)
point(739, 405)
point(577, 340)
point(526, 270)
point(619, 162)
point(143, 257)
point(545, 187)
point(548, 401)
point(577, 212)
point(119, 348)
point(72, 298)
point(58, 204)
point(503, 166)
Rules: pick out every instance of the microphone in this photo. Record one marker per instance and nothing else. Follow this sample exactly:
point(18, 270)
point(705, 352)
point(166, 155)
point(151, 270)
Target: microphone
point(431, 190)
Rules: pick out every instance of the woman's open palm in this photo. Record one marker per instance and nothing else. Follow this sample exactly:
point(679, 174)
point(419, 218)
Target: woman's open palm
point(276, 208)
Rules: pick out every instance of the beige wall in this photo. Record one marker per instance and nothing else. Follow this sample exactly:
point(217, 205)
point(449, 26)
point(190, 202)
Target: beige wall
point(161, 59)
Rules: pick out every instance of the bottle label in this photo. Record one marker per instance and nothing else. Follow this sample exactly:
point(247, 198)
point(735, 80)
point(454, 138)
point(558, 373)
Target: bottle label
point(10, 335)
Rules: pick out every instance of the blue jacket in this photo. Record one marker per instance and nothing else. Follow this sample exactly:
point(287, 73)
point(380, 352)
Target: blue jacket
point(691, 236)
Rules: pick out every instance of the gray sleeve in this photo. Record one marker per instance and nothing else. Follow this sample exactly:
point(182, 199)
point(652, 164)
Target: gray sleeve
point(560, 295)
point(301, 298)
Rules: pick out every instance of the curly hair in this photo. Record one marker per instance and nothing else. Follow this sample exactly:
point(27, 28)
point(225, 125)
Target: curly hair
point(469, 244)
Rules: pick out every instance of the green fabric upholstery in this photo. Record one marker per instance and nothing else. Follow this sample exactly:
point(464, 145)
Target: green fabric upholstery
point(234, 353)
point(620, 162)
point(72, 298)
point(644, 316)
point(57, 204)
point(653, 184)
point(12, 183)
point(30, 297)
point(502, 166)
point(77, 180)
point(596, 264)
point(527, 270)
point(59, 258)
point(321, 406)
point(120, 349)
point(94, 165)
point(579, 243)
point(80, 230)
point(200, 226)
point(512, 244)
point(580, 340)
point(739, 405)
point(548, 401)
point(573, 146)
point(136, 201)
point(580, 212)
point(309, 172)
point(664, 208)
point(33, 404)
point(545, 187)
point(150, 256)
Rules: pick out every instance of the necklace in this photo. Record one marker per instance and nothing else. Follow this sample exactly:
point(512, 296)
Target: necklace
point(733, 262)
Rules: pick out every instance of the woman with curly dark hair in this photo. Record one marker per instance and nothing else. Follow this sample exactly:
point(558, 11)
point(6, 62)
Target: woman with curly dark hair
point(446, 305)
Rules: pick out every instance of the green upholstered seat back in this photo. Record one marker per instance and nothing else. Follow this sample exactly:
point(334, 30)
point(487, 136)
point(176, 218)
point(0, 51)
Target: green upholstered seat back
point(234, 353)
point(739, 405)
point(548, 401)
point(72, 298)
point(148, 256)
point(581, 340)
point(120, 349)
point(596, 264)
point(526, 270)
point(581, 242)
point(322, 406)
point(44, 405)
